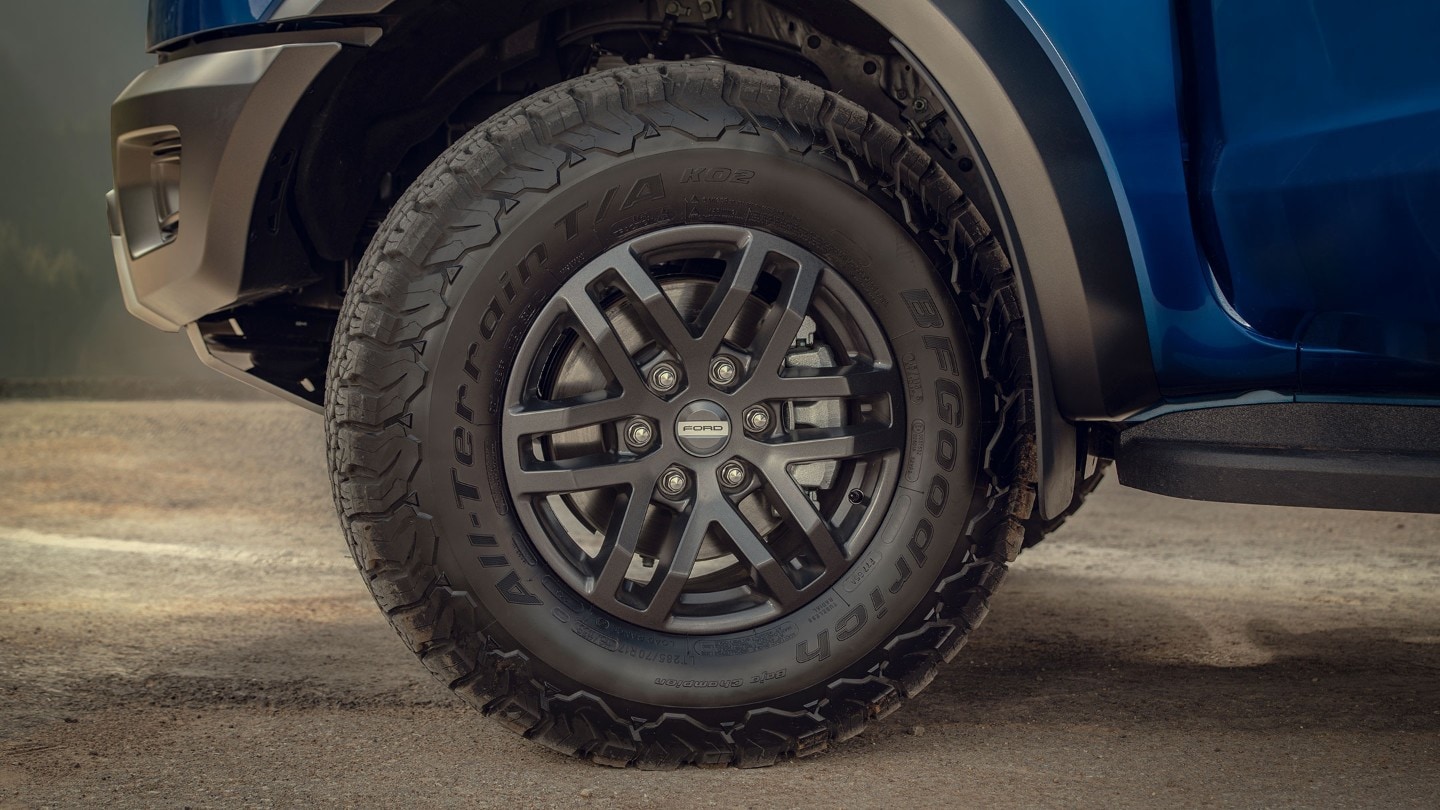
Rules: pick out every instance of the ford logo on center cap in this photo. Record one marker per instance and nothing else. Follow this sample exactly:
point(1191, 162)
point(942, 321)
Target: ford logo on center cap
point(702, 428)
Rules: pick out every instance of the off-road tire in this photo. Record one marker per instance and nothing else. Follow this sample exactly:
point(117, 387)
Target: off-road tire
point(391, 456)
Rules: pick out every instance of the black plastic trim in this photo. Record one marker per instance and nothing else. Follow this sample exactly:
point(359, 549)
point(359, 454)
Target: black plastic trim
point(281, 349)
point(268, 36)
point(1057, 213)
point(1333, 455)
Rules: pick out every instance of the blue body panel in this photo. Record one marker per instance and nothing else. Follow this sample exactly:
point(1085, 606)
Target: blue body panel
point(1316, 181)
point(1131, 96)
point(173, 19)
point(1321, 167)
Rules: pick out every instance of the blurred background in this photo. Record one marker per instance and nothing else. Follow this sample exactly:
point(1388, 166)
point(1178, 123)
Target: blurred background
point(61, 64)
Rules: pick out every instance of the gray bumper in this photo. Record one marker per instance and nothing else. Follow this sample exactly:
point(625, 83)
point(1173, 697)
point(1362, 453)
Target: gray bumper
point(191, 140)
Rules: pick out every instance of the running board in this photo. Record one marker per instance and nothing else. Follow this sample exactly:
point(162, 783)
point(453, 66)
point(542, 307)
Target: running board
point(1339, 456)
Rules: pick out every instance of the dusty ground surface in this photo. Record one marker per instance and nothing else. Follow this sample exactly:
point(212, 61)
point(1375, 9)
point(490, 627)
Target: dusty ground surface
point(180, 626)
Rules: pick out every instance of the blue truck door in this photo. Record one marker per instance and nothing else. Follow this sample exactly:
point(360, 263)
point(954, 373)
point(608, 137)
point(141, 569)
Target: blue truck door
point(1316, 170)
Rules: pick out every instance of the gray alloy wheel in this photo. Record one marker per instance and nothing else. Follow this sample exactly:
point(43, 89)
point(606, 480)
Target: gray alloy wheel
point(679, 414)
point(707, 468)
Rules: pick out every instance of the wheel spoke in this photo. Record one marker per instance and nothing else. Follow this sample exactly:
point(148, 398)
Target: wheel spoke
point(792, 500)
point(853, 381)
point(782, 322)
point(621, 538)
point(769, 570)
point(554, 416)
point(730, 295)
point(823, 444)
point(652, 304)
point(675, 571)
point(577, 474)
point(597, 330)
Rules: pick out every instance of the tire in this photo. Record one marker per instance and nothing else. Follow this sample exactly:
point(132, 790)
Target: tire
point(450, 332)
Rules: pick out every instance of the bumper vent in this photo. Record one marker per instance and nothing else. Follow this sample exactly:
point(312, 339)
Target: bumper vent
point(147, 181)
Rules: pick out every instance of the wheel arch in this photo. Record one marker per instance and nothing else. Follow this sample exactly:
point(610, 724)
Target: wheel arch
point(1059, 210)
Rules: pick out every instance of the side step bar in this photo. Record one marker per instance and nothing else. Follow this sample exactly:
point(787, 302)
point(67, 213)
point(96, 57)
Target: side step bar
point(1340, 456)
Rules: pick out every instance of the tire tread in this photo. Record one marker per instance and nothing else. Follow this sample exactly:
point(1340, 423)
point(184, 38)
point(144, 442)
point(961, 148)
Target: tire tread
point(395, 301)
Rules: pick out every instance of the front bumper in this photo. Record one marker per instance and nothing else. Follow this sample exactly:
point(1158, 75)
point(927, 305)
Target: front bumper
point(191, 140)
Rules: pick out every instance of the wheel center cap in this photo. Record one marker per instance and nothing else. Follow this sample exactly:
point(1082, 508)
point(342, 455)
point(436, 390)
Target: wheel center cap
point(703, 428)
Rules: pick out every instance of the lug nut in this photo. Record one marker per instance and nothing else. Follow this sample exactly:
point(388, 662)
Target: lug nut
point(732, 473)
point(674, 482)
point(664, 377)
point(723, 371)
point(757, 419)
point(639, 433)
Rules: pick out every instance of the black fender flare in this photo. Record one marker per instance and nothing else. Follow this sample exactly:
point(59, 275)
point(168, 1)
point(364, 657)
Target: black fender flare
point(1060, 219)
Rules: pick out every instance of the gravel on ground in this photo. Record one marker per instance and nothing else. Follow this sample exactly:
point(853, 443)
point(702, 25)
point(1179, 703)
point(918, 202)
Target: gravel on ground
point(180, 625)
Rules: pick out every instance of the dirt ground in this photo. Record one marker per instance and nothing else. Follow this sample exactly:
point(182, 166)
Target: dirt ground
point(180, 626)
